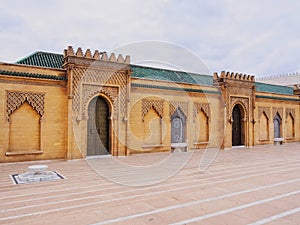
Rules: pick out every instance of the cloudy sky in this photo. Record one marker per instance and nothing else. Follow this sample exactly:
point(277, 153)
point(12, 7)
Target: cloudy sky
point(260, 37)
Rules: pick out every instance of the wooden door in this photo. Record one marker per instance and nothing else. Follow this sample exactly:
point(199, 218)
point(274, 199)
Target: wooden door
point(98, 128)
point(236, 126)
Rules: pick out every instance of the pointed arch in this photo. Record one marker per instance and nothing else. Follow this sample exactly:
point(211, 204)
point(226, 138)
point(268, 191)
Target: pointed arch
point(15, 99)
point(155, 104)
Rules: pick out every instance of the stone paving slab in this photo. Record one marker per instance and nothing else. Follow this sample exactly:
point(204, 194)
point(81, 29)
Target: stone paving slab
point(259, 185)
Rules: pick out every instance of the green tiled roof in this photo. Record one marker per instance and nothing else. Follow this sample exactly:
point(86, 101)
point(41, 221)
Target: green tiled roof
point(43, 59)
point(170, 75)
point(32, 75)
point(271, 88)
point(52, 60)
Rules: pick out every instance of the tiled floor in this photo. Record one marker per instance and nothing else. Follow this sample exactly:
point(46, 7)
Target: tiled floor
point(259, 185)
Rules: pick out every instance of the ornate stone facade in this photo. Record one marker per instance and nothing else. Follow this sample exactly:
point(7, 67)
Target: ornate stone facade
point(237, 90)
point(61, 100)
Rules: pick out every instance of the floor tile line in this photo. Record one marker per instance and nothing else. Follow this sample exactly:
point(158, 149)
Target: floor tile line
point(142, 194)
point(276, 217)
point(128, 191)
point(200, 201)
point(225, 211)
point(128, 197)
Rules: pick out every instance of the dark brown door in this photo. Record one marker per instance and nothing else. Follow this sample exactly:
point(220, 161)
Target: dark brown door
point(98, 128)
point(236, 126)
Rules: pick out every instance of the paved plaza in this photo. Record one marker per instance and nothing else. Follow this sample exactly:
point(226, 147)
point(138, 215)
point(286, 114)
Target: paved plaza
point(259, 185)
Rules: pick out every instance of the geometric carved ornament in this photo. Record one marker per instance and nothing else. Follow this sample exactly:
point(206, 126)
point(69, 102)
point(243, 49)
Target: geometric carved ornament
point(14, 99)
point(289, 111)
point(106, 82)
point(90, 90)
point(265, 110)
point(201, 106)
point(278, 110)
point(157, 105)
point(174, 105)
point(243, 102)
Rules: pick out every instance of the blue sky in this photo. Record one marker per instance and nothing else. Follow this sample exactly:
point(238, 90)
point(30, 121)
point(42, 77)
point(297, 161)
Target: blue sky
point(260, 37)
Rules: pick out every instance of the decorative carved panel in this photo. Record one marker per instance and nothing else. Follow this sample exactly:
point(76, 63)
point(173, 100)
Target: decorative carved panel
point(174, 105)
point(289, 111)
point(201, 106)
point(102, 81)
point(240, 100)
point(265, 110)
point(14, 99)
point(90, 90)
point(278, 110)
point(157, 105)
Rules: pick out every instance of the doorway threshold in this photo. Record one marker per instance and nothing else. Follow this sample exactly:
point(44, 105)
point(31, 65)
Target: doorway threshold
point(98, 156)
point(239, 146)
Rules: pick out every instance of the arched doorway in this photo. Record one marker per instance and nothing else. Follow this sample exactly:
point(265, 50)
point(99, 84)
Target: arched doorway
point(178, 127)
point(277, 122)
point(98, 127)
point(237, 126)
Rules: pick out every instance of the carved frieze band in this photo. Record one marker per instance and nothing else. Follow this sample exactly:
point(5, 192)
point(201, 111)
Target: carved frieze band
point(157, 105)
point(14, 99)
point(289, 111)
point(174, 105)
point(278, 110)
point(265, 110)
point(201, 106)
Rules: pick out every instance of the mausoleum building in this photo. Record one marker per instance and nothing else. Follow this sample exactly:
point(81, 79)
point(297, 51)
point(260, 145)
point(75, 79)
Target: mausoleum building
point(82, 103)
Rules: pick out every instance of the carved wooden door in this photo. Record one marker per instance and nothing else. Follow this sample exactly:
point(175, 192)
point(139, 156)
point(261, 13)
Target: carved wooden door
point(98, 128)
point(236, 127)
